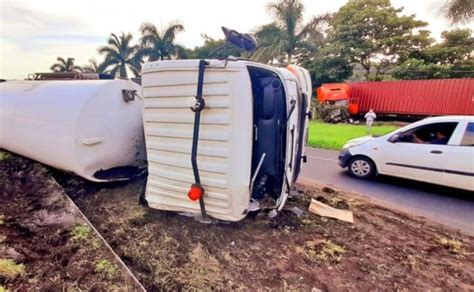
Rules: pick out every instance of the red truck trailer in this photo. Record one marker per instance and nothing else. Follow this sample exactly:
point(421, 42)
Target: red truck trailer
point(408, 98)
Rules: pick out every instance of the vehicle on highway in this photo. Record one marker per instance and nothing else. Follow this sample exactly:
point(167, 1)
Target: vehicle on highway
point(410, 99)
point(437, 150)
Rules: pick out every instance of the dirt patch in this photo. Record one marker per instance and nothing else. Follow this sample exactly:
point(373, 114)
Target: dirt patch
point(40, 248)
point(382, 250)
point(46, 246)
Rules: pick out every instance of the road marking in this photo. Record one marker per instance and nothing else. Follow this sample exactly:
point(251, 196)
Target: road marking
point(321, 158)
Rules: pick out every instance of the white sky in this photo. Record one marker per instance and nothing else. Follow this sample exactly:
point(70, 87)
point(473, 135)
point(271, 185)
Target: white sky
point(34, 32)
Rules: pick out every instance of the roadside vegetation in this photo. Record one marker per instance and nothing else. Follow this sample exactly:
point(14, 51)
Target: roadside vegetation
point(387, 44)
point(334, 136)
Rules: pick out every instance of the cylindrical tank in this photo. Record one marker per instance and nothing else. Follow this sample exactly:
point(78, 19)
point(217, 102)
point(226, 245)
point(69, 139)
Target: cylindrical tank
point(93, 128)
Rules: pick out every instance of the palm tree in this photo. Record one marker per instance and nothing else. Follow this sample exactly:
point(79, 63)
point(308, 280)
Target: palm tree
point(65, 65)
point(288, 36)
point(94, 67)
point(459, 11)
point(160, 45)
point(120, 55)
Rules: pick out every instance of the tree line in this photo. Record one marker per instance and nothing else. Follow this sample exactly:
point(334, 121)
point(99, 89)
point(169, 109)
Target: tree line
point(363, 40)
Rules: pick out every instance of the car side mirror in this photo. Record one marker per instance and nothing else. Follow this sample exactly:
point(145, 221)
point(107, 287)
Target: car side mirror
point(394, 139)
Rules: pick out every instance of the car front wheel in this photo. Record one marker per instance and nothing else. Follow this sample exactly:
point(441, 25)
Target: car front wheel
point(361, 167)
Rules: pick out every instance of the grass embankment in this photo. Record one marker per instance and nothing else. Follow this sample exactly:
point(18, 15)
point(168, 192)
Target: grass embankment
point(334, 136)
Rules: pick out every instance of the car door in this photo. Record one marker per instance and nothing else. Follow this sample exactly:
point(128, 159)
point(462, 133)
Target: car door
point(459, 169)
point(418, 153)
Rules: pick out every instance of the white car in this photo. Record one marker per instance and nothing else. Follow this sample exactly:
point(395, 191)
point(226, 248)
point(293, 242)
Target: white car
point(438, 150)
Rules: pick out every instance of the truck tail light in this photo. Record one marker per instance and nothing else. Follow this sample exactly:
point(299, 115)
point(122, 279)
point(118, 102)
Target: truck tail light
point(195, 192)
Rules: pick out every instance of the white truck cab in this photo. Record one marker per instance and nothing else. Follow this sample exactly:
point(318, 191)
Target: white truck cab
point(222, 133)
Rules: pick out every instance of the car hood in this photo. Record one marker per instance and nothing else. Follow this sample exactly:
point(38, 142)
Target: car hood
point(358, 141)
point(361, 139)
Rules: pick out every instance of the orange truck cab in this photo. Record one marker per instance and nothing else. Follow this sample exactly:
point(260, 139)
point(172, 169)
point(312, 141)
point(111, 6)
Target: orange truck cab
point(337, 94)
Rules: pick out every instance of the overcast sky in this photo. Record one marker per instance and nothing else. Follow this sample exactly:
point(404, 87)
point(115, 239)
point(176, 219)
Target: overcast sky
point(34, 32)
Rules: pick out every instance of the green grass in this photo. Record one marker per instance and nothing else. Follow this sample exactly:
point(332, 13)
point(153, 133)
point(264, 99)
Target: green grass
point(4, 155)
point(9, 269)
point(106, 267)
point(80, 232)
point(334, 136)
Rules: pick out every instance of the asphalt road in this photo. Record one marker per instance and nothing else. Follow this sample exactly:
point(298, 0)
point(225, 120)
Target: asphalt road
point(448, 206)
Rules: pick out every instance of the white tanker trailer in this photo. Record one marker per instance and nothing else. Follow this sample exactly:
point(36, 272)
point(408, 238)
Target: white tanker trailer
point(92, 128)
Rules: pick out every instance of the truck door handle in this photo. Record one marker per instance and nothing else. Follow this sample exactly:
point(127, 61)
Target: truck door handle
point(436, 152)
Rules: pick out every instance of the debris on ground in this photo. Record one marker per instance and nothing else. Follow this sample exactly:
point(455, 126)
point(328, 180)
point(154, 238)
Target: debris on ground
point(324, 210)
point(328, 190)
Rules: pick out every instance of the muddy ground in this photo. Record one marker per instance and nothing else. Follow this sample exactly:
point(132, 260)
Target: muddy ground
point(382, 250)
point(45, 244)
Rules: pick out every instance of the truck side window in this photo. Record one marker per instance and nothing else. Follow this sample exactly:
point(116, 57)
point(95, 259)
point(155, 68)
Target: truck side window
point(468, 138)
point(436, 133)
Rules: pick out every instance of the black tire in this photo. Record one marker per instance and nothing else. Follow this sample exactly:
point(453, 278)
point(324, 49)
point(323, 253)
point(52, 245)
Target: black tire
point(361, 167)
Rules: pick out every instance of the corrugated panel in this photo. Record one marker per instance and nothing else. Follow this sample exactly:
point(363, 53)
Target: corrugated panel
point(225, 137)
point(416, 97)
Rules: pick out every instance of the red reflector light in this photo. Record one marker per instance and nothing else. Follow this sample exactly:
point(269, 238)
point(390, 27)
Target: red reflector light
point(195, 192)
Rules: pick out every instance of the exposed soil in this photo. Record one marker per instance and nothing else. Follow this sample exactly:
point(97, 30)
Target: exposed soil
point(382, 250)
point(45, 244)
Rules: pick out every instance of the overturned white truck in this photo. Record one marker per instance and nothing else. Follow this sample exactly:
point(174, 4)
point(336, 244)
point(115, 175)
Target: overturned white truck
point(222, 134)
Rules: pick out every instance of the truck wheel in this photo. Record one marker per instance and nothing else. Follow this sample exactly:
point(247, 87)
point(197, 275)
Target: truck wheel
point(361, 167)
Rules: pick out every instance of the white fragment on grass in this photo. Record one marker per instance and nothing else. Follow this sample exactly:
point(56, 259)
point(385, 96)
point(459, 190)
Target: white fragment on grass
point(324, 210)
point(297, 211)
point(273, 213)
point(187, 214)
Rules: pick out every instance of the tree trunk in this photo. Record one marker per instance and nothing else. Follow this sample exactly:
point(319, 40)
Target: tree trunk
point(123, 71)
point(366, 66)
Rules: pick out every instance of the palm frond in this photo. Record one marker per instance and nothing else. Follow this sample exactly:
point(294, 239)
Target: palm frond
point(149, 33)
point(109, 62)
point(57, 67)
point(268, 34)
point(64, 65)
point(313, 29)
point(114, 70)
point(288, 14)
point(459, 11)
point(61, 61)
point(114, 41)
point(76, 68)
point(109, 52)
point(172, 30)
point(181, 52)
